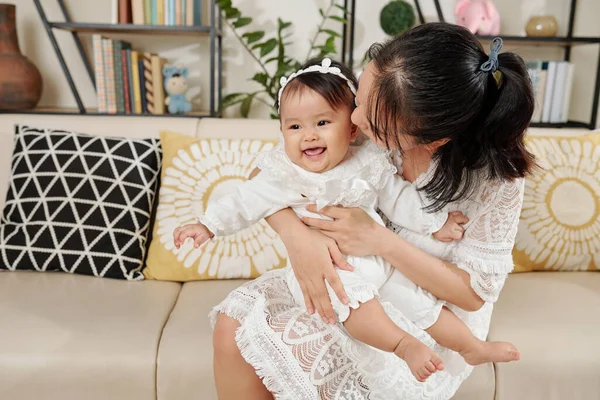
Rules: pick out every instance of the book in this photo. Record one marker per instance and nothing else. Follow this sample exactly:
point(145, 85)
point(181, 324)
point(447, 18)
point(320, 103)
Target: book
point(549, 94)
point(564, 116)
point(125, 12)
point(131, 89)
point(119, 45)
point(148, 12)
point(167, 12)
point(125, 80)
point(114, 11)
point(149, 82)
point(160, 12)
point(560, 83)
point(178, 12)
point(137, 11)
point(135, 73)
point(154, 10)
point(109, 73)
point(99, 73)
point(189, 12)
point(540, 93)
point(157, 78)
point(197, 12)
point(172, 16)
point(142, 84)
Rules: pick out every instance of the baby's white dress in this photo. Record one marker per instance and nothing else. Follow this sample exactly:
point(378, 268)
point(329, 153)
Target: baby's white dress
point(365, 178)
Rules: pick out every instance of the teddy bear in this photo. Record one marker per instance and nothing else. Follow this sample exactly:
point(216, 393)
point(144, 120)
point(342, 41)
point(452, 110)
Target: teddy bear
point(175, 81)
point(478, 16)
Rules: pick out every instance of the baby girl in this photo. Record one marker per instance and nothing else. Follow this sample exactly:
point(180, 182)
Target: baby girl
point(316, 164)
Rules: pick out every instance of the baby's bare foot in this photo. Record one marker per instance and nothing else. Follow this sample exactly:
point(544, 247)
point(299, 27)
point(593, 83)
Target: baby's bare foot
point(484, 352)
point(421, 360)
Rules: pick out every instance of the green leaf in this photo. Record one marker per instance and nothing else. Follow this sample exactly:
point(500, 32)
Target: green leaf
point(322, 12)
point(270, 60)
point(246, 103)
point(242, 21)
point(224, 4)
point(258, 45)
point(232, 13)
point(330, 42)
point(232, 99)
point(345, 10)
point(261, 78)
point(268, 47)
point(330, 32)
point(252, 37)
point(274, 116)
point(282, 24)
point(339, 19)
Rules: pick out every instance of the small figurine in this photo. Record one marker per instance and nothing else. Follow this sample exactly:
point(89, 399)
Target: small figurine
point(176, 86)
point(478, 16)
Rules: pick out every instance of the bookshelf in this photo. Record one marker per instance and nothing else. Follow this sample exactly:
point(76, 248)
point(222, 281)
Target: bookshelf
point(566, 42)
point(213, 32)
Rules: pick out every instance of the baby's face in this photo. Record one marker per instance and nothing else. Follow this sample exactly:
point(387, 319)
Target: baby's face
point(316, 137)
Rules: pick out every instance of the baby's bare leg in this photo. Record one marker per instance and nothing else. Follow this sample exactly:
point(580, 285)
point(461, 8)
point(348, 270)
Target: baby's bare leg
point(450, 332)
point(371, 325)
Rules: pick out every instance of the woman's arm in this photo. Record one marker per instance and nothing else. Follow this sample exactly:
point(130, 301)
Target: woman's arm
point(312, 256)
point(358, 234)
point(442, 279)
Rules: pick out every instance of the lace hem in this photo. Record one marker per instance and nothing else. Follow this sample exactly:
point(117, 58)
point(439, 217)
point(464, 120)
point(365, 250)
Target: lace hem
point(498, 262)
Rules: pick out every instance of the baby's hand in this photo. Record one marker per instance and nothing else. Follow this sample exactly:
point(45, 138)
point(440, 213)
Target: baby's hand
point(453, 228)
point(198, 232)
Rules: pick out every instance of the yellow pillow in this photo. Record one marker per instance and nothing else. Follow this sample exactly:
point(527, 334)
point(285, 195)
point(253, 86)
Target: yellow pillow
point(196, 172)
point(559, 227)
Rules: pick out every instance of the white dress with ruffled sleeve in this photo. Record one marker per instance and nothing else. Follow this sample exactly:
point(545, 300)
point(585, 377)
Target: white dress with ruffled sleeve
point(365, 178)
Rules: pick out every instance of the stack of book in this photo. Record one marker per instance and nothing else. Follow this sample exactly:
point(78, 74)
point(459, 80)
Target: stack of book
point(552, 85)
point(127, 81)
point(157, 12)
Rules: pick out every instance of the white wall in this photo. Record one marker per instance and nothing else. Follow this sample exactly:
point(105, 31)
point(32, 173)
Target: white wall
point(239, 66)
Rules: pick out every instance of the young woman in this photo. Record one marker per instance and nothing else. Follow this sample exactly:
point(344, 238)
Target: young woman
point(457, 118)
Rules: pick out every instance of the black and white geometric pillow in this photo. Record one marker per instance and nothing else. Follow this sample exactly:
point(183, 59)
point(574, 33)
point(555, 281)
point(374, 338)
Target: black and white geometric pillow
point(80, 204)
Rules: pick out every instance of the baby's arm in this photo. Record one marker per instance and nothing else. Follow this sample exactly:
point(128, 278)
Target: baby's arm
point(402, 203)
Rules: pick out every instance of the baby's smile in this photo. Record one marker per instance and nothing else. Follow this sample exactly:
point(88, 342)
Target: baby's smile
point(314, 152)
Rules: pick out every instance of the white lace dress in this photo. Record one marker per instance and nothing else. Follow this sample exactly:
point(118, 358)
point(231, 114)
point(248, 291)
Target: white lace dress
point(301, 358)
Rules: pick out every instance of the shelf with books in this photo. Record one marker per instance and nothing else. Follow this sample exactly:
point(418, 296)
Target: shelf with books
point(134, 29)
point(542, 41)
point(94, 112)
point(120, 79)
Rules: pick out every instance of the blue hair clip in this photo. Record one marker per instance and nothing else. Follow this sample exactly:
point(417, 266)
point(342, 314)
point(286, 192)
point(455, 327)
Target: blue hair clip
point(491, 65)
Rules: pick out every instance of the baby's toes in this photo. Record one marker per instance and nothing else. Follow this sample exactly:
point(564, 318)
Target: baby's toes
point(430, 367)
point(437, 362)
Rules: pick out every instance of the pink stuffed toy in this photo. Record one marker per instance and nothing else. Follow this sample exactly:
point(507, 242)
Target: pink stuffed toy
point(478, 16)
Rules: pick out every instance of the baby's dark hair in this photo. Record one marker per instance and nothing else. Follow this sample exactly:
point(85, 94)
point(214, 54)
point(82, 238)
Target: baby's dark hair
point(334, 89)
point(429, 84)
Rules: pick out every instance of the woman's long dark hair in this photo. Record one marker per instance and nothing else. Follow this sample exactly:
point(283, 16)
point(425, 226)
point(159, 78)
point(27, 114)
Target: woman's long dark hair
point(429, 85)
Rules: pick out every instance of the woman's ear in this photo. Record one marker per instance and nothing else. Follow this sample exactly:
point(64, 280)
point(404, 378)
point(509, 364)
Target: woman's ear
point(433, 146)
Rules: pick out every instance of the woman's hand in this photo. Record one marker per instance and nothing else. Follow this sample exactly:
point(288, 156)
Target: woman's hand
point(313, 256)
point(354, 231)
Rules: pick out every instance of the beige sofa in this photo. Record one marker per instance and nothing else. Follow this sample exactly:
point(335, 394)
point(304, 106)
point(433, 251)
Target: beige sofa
point(69, 337)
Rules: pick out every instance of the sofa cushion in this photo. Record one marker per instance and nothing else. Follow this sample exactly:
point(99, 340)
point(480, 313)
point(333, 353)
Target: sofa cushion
point(185, 357)
point(554, 320)
point(73, 337)
point(559, 228)
point(79, 203)
point(195, 173)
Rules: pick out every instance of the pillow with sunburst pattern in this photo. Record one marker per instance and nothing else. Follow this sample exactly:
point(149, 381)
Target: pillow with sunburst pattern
point(196, 172)
point(559, 229)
